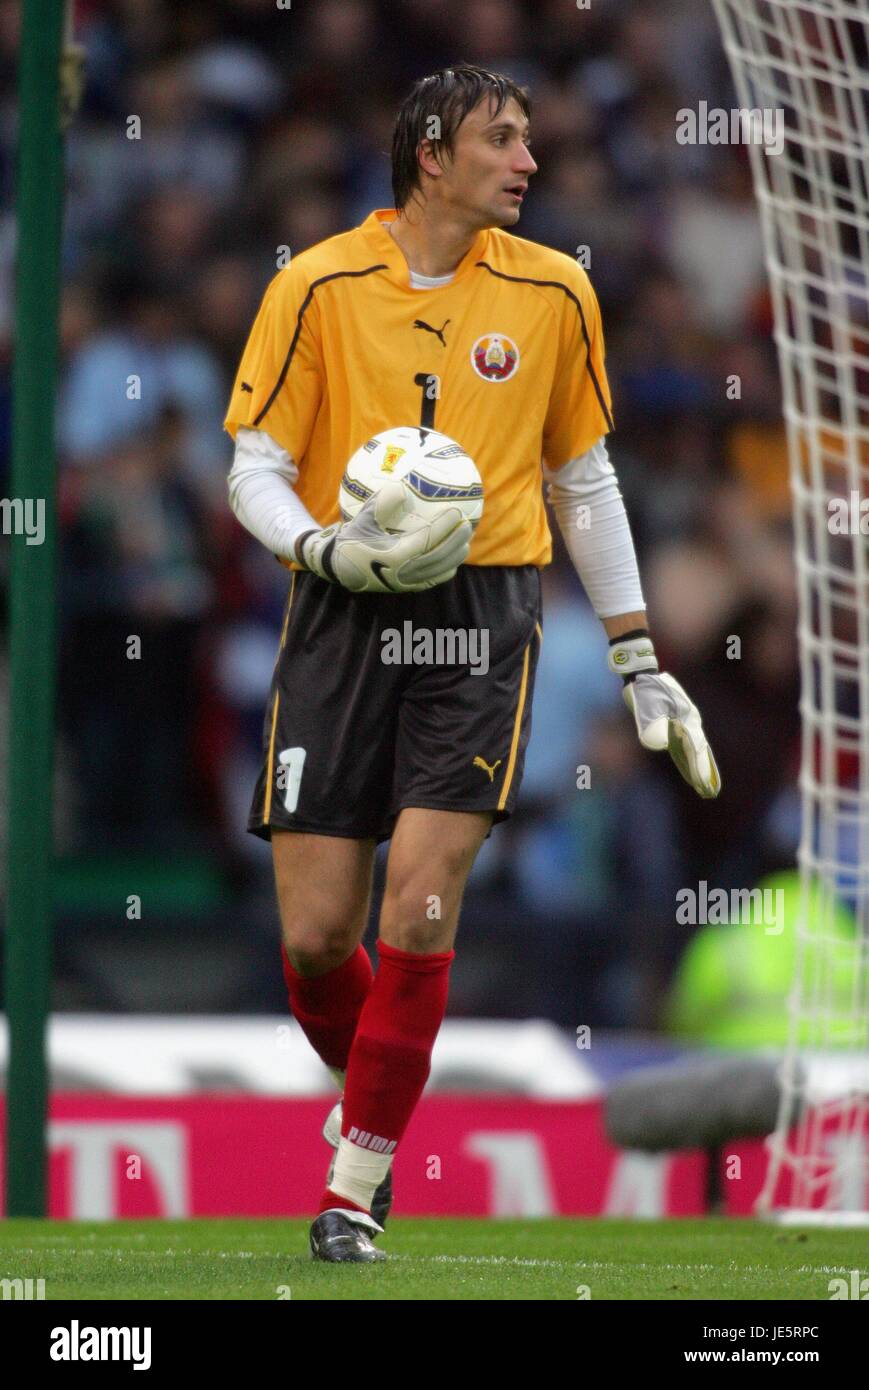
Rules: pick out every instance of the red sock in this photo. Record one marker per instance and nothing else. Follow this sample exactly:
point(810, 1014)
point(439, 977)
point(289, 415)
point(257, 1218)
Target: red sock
point(390, 1059)
point(327, 1007)
point(330, 1201)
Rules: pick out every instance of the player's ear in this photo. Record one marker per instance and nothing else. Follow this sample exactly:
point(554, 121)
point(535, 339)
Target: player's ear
point(425, 153)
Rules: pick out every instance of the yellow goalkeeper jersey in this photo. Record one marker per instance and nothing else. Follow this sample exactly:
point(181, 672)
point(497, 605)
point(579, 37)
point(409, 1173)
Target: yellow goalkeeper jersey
point(508, 359)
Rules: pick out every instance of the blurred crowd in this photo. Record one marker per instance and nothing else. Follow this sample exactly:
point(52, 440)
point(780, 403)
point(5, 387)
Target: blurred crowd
point(212, 134)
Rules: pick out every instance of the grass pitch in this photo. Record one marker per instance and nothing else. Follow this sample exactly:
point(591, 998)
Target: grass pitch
point(439, 1259)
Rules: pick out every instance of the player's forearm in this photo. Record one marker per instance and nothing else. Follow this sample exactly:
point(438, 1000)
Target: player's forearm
point(591, 516)
point(261, 493)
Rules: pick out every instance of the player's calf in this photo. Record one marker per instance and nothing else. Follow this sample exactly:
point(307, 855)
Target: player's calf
point(389, 1065)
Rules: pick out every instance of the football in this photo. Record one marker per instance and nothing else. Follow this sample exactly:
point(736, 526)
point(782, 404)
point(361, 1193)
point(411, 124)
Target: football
point(435, 469)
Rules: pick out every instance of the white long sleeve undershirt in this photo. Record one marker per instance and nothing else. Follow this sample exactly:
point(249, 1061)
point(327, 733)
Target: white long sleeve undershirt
point(262, 495)
point(598, 539)
point(263, 498)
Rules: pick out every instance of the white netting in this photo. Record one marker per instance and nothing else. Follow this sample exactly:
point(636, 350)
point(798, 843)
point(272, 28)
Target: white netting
point(808, 59)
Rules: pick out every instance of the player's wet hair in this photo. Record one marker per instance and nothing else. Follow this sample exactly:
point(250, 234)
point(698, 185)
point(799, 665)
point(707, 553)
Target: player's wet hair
point(450, 95)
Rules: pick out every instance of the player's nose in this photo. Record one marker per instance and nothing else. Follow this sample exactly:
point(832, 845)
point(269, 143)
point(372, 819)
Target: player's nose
point(525, 164)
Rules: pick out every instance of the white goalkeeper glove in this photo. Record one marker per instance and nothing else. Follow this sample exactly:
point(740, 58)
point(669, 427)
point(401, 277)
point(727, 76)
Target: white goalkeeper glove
point(365, 557)
point(664, 715)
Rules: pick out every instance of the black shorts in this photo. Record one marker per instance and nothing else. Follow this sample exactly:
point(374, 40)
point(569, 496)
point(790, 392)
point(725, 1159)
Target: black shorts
point(382, 701)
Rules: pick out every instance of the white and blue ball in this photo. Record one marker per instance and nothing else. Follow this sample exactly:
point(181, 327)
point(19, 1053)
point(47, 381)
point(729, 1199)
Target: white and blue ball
point(435, 470)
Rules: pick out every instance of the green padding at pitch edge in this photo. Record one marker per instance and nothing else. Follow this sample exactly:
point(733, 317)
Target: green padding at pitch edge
point(91, 884)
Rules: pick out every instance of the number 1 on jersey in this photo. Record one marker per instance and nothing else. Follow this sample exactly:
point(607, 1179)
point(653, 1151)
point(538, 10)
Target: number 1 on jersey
point(430, 384)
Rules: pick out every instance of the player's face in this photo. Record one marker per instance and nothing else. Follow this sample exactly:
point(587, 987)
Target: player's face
point(491, 166)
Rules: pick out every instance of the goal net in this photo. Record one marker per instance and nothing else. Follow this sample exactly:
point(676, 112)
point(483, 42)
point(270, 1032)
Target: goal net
point(809, 61)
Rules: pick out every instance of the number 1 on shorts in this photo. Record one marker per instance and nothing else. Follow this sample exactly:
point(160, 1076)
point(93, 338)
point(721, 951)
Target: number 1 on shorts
point(289, 780)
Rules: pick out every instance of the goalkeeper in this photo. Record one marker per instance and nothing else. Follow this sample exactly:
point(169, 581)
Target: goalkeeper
point(427, 313)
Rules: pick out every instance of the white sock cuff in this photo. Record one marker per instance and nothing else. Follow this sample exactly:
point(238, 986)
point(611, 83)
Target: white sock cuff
point(358, 1172)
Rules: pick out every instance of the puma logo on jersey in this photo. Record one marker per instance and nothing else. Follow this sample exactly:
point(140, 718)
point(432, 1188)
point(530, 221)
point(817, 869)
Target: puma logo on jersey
point(438, 332)
point(245, 387)
point(491, 768)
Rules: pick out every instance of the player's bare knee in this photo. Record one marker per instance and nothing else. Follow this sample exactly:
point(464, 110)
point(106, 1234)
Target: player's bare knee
point(417, 912)
point(314, 950)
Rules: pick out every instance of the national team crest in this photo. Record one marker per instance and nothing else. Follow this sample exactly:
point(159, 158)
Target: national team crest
point(495, 357)
point(391, 457)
